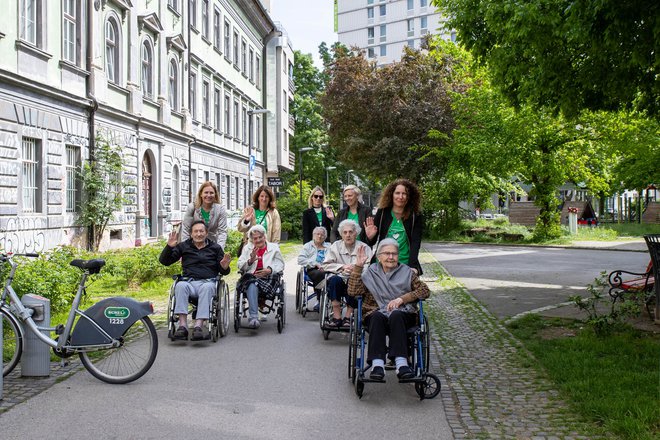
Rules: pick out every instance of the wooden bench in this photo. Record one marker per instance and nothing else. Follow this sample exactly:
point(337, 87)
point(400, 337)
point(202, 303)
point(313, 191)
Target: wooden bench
point(631, 285)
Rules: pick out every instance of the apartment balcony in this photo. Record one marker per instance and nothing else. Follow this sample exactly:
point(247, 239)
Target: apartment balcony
point(292, 160)
point(292, 86)
point(292, 123)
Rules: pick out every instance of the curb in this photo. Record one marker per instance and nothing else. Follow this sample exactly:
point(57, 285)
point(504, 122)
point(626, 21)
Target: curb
point(549, 246)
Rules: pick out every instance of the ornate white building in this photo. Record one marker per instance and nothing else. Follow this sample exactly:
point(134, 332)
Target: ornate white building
point(187, 89)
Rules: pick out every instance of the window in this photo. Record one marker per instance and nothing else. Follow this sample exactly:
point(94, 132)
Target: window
point(31, 174)
point(30, 21)
point(453, 36)
point(370, 13)
point(147, 70)
point(72, 181)
point(424, 24)
point(411, 44)
point(284, 138)
point(244, 57)
point(111, 51)
point(370, 2)
point(206, 111)
point(244, 122)
point(285, 100)
point(69, 30)
point(176, 189)
point(174, 4)
point(227, 115)
point(251, 70)
point(257, 71)
point(423, 3)
point(205, 18)
point(411, 27)
point(236, 192)
point(245, 191)
point(217, 36)
point(228, 192)
point(411, 4)
point(217, 114)
point(227, 38)
point(192, 10)
point(370, 35)
point(383, 10)
point(207, 175)
point(237, 130)
point(383, 50)
point(383, 33)
point(193, 181)
point(236, 53)
point(192, 99)
point(371, 53)
point(174, 85)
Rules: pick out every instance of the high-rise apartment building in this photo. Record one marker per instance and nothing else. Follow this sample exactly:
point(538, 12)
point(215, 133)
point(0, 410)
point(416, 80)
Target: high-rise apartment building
point(382, 28)
point(182, 87)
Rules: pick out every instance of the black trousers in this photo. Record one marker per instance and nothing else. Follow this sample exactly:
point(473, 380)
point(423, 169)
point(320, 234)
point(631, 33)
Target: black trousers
point(395, 326)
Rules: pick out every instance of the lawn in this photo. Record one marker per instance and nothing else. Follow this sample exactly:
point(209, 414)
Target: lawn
point(612, 381)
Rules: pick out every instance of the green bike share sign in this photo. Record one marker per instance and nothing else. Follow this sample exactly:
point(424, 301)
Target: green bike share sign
point(117, 312)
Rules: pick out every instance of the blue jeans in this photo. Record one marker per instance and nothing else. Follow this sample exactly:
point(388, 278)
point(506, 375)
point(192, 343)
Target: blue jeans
point(338, 289)
point(253, 300)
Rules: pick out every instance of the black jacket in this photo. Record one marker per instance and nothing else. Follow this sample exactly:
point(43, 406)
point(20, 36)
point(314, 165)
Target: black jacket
point(198, 264)
point(311, 221)
point(414, 225)
point(363, 212)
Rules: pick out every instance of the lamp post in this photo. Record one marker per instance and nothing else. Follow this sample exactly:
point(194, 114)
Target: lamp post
point(251, 113)
point(300, 153)
point(327, 179)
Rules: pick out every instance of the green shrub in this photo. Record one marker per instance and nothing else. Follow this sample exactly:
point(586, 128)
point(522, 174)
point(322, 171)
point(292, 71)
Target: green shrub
point(234, 239)
point(50, 276)
point(291, 208)
point(140, 264)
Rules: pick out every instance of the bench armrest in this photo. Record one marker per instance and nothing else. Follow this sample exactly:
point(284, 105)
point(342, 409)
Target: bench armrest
point(615, 278)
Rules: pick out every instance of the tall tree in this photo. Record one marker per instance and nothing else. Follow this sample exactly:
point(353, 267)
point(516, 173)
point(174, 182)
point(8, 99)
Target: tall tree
point(568, 55)
point(380, 118)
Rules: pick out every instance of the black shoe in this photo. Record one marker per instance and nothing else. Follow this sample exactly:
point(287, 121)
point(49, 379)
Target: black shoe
point(377, 373)
point(181, 334)
point(197, 334)
point(405, 372)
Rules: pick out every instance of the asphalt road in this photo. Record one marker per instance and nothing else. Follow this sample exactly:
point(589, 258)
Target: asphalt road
point(250, 385)
point(509, 280)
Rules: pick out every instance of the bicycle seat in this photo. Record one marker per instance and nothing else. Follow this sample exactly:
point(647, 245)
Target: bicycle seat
point(93, 266)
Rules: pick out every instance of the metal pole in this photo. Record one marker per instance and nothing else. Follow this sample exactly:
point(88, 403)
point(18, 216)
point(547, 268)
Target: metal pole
point(327, 181)
point(247, 191)
point(301, 173)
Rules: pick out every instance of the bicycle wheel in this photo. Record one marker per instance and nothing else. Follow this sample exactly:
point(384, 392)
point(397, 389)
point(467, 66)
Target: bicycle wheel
point(128, 362)
point(12, 342)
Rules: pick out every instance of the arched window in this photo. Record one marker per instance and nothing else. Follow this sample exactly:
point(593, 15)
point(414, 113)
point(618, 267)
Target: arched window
point(147, 70)
point(174, 85)
point(112, 51)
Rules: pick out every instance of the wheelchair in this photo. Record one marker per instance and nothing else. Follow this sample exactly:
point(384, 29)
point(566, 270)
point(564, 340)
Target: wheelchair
point(304, 285)
point(427, 385)
point(273, 303)
point(218, 322)
point(325, 311)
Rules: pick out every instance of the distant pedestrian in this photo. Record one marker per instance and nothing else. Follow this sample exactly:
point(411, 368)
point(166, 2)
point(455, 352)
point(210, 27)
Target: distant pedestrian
point(317, 214)
point(355, 210)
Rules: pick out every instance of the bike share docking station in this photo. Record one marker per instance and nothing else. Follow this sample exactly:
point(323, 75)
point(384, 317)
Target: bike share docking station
point(35, 361)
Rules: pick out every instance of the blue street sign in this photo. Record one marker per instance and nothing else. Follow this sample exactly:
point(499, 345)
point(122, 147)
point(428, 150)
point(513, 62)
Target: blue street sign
point(252, 162)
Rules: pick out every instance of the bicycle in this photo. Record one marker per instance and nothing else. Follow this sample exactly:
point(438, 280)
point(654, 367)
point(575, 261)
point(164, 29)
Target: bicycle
point(115, 339)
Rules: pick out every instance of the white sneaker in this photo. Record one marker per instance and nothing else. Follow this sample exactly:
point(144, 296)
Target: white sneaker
point(254, 323)
point(262, 317)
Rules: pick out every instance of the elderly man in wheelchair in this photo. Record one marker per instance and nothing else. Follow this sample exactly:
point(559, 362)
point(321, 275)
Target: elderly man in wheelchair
point(262, 265)
point(390, 291)
point(201, 260)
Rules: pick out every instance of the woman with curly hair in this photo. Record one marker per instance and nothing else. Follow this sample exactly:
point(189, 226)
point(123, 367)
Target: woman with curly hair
point(262, 212)
point(399, 217)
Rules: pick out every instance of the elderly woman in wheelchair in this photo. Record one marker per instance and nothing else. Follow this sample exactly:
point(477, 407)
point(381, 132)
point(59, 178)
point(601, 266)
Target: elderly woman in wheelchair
point(261, 264)
point(389, 292)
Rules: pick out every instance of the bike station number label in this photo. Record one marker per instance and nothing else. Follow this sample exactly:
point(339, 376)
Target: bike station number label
point(116, 315)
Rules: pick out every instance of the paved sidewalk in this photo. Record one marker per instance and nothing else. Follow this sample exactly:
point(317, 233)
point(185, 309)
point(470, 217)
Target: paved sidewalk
point(487, 393)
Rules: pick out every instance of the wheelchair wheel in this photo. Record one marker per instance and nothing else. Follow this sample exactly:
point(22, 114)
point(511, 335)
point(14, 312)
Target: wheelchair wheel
point(223, 309)
point(359, 387)
point(299, 290)
point(352, 350)
point(426, 346)
point(171, 324)
point(281, 310)
point(429, 388)
point(214, 319)
point(238, 310)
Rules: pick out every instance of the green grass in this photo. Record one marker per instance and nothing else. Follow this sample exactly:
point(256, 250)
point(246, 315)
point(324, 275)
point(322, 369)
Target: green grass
point(612, 381)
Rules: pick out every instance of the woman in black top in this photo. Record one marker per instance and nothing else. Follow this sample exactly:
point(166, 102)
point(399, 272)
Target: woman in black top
point(317, 215)
point(399, 217)
point(355, 210)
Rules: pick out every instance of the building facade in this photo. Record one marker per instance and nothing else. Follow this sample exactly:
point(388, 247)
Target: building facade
point(179, 85)
point(382, 28)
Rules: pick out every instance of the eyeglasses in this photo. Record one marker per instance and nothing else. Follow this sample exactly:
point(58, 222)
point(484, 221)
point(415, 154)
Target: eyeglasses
point(318, 196)
point(390, 254)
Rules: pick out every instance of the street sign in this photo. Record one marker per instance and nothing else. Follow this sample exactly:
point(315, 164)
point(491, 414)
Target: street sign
point(275, 181)
point(252, 162)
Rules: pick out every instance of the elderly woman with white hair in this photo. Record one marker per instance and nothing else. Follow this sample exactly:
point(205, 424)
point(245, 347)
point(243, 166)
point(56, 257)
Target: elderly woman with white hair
point(341, 259)
point(260, 262)
point(313, 253)
point(389, 293)
point(355, 210)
